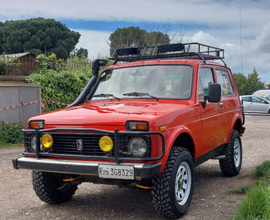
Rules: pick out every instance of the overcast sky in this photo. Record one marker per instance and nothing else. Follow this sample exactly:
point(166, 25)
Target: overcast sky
point(213, 22)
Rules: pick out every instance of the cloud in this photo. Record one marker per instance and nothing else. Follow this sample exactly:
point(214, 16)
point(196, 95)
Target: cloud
point(96, 42)
point(262, 43)
point(241, 59)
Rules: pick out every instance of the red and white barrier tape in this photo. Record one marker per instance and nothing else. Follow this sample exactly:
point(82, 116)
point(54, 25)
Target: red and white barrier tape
point(29, 103)
point(61, 103)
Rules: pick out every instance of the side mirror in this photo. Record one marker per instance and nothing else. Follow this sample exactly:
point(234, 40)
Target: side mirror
point(214, 92)
point(265, 102)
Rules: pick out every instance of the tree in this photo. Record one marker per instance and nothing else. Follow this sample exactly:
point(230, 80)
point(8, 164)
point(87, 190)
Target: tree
point(80, 53)
point(248, 85)
point(136, 37)
point(253, 82)
point(37, 35)
point(240, 82)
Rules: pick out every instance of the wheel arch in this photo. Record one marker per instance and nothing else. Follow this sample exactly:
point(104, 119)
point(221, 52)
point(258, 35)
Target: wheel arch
point(181, 138)
point(236, 125)
point(185, 140)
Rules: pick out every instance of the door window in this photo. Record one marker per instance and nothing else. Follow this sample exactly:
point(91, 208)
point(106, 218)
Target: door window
point(257, 100)
point(205, 78)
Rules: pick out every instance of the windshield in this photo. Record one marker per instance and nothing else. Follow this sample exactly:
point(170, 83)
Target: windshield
point(159, 81)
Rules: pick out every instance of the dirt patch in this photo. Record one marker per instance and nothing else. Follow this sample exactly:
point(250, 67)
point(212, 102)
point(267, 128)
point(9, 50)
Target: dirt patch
point(210, 200)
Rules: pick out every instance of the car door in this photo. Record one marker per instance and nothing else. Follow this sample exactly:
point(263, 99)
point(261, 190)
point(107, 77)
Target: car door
point(246, 103)
point(258, 104)
point(212, 119)
point(229, 99)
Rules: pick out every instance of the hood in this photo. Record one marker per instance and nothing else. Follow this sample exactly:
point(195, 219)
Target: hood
point(112, 113)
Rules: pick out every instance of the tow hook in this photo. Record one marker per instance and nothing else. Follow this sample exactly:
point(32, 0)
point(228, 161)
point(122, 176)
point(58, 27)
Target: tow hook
point(73, 180)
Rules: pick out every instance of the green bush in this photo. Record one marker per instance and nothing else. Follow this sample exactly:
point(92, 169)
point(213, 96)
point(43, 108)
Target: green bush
point(11, 133)
point(62, 87)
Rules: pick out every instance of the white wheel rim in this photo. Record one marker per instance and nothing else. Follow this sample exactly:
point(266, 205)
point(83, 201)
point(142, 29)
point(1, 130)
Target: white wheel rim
point(183, 183)
point(236, 152)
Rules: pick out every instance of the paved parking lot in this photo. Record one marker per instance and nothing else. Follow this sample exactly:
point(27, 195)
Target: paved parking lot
point(210, 201)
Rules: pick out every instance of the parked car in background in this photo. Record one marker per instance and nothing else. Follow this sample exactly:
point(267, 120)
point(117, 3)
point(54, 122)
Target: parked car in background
point(263, 93)
point(253, 103)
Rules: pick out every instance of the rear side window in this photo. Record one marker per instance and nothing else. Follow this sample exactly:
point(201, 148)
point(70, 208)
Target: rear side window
point(225, 82)
point(246, 99)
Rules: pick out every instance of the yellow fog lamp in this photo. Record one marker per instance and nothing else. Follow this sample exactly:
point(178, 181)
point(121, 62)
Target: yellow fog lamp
point(46, 141)
point(106, 144)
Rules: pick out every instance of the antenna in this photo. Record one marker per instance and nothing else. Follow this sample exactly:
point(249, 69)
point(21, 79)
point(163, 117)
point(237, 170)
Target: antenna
point(241, 41)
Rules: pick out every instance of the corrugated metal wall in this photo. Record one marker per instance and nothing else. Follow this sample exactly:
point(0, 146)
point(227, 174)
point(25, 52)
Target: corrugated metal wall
point(11, 95)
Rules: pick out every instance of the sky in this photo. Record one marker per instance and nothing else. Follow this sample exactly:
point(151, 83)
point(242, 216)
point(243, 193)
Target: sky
point(241, 27)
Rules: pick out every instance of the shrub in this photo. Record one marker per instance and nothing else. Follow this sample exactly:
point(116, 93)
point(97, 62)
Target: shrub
point(11, 133)
point(61, 87)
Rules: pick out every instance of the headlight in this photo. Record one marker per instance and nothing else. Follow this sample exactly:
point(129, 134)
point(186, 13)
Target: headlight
point(33, 144)
point(137, 147)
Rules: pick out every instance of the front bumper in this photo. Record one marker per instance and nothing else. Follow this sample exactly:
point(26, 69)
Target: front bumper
point(141, 170)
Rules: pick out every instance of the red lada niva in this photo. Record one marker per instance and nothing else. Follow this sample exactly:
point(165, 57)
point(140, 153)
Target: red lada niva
point(147, 120)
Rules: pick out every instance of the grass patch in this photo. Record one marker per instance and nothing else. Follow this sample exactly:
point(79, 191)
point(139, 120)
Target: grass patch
point(241, 190)
point(243, 175)
point(262, 171)
point(256, 205)
point(3, 144)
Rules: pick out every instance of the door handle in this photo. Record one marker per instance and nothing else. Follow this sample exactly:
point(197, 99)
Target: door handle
point(221, 104)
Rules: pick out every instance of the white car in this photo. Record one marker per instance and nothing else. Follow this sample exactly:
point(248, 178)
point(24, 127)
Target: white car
point(253, 103)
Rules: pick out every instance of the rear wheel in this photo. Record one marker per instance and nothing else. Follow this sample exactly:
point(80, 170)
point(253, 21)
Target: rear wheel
point(231, 164)
point(173, 189)
point(51, 188)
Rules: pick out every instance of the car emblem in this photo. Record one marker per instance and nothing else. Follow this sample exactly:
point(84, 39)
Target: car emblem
point(79, 144)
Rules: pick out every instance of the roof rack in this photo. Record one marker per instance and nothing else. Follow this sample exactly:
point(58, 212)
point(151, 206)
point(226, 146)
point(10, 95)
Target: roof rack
point(180, 50)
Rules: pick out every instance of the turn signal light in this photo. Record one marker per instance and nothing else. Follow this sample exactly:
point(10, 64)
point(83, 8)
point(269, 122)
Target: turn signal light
point(162, 128)
point(37, 124)
point(138, 126)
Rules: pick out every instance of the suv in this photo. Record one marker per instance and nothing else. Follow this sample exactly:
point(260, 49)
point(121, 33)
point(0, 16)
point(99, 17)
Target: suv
point(148, 120)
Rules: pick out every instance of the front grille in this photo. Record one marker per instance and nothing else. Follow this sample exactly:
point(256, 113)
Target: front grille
point(64, 143)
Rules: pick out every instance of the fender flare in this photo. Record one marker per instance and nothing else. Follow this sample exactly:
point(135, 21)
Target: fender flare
point(235, 118)
point(170, 141)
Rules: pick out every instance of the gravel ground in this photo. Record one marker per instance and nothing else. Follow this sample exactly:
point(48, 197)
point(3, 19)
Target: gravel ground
point(210, 201)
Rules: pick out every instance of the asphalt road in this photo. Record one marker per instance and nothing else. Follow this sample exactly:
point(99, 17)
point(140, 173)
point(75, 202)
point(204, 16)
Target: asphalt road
point(210, 201)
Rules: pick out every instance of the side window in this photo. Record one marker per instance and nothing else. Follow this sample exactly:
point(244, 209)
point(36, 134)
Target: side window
point(205, 78)
point(257, 100)
point(225, 82)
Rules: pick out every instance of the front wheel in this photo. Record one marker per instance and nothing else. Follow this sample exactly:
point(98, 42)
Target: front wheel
point(173, 189)
point(231, 164)
point(51, 188)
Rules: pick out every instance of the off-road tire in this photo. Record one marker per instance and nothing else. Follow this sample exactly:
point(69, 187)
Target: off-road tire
point(50, 188)
point(231, 164)
point(164, 184)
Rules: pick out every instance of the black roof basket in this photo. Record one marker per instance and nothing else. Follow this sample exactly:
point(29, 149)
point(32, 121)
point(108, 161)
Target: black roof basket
point(169, 51)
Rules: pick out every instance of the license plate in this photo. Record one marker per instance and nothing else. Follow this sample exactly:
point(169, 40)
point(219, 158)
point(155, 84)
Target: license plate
point(115, 171)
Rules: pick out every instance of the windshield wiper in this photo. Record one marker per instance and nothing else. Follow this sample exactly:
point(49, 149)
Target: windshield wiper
point(106, 95)
point(139, 94)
